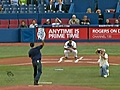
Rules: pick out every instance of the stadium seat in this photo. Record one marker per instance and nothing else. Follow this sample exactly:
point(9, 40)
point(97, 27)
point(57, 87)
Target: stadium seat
point(4, 26)
point(5, 2)
point(24, 11)
point(29, 21)
point(7, 6)
point(112, 20)
point(13, 26)
point(15, 11)
point(67, 1)
point(4, 12)
point(32, 6)
point(43, 20)
point(20, 20)
point(110, 10)
point(40, 8)
point(52, 20)
point(64, 20)
point(13, 22)
point(33, 11)
point(119, 19)
point(4, 22)
point(16, 8)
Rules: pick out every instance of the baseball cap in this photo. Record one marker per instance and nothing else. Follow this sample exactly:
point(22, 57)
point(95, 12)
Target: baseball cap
point(47, 20)
point(73, 15)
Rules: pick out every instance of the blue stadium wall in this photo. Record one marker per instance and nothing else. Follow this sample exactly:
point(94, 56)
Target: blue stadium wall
point(80, 7)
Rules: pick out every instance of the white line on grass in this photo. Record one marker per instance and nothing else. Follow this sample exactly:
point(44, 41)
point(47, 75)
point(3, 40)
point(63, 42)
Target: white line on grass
point(44, 83)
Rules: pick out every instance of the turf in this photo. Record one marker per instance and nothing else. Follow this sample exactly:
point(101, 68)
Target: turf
point(18, 51)
point(81, 76)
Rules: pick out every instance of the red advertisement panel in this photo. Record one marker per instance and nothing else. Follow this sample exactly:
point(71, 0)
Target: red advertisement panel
point(104, 33)
point(61, 33)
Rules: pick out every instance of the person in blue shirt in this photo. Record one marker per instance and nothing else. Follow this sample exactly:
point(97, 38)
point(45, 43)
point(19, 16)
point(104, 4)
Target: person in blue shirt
point(35, 55)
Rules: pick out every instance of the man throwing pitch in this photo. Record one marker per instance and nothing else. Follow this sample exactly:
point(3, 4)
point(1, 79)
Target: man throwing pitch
point(103, 62)
point(70, 47)
point(35, 55)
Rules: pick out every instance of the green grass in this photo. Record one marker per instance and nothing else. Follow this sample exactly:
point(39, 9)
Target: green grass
point(80, 76)
point(18, 51)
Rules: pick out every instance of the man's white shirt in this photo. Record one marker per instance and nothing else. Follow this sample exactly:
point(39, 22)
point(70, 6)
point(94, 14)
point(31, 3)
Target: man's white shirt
point(73, 44)
point(33, 26)
point(103, 61)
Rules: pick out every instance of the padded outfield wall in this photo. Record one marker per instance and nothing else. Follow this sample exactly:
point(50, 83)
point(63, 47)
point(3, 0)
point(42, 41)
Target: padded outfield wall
point(61, 34)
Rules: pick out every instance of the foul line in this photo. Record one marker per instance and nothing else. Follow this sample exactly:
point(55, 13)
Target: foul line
point(65, 61)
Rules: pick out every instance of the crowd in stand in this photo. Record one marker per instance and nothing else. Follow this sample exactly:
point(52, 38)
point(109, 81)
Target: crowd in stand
point(59, 6)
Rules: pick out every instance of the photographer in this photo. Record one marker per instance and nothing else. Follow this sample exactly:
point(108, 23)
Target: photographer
point(70, 47)
point(103, 62)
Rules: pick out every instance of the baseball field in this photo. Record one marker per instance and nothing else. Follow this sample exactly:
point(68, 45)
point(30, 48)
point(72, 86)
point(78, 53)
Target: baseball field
point(16, 72)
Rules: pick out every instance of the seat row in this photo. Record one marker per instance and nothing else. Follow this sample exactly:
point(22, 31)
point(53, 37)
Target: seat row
point(22, 9)
point(14, 23)
point(64, 20)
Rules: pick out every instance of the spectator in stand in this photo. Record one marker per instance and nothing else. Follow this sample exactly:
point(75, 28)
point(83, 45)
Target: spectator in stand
point(14, 2)
point(57, 22)
point(61, 7)
point(74, 20)
point(89, 10)
point(107, 22)
point(50, 7)
point(36, 2)
point(33, 24)
point(57, 2)
point(23, 2)
point(100, 16)
point(85, 20)
point(117, 22)
point(48, 22)
point(23, 25)
point(43, 1)
point(0, 9)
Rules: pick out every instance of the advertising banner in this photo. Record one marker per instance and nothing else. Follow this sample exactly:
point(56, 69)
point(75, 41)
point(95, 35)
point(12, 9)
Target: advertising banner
point(60, 33)
point(104, 33)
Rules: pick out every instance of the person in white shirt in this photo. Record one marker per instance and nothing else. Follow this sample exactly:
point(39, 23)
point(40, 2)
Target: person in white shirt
point(34, 24)
point(57, 23)
point(103, 62)
point(14, 2)
point(70, 47)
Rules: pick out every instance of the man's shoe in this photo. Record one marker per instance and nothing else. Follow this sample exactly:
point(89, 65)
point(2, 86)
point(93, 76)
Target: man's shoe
point(105, 76)
point(36, 82)
point(66, 57)
point(76, 58)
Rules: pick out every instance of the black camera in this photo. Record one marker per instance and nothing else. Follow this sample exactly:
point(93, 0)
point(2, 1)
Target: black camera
point(98, 51)
point(69, 44)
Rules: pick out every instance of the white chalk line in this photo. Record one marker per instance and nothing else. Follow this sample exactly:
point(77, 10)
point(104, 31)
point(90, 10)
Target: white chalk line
point(91, 61)
point(40, 84)
point(21, 64)
point(67, 59)
point(35, 85)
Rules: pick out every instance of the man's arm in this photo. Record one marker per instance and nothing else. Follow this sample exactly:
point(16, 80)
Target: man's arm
point(103, 55)
point(42, 42)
